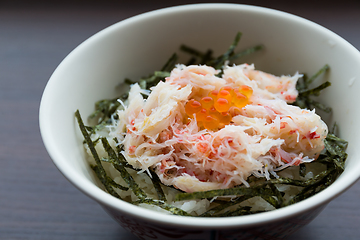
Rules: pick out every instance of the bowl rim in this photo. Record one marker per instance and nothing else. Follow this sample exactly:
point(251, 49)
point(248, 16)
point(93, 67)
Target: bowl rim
point(129, 209)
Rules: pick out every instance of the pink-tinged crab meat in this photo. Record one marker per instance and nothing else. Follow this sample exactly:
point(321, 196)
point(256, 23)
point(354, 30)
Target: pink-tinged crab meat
point(259, 137)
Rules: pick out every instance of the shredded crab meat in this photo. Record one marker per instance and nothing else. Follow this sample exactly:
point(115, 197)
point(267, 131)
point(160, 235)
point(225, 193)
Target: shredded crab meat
point(263, 137)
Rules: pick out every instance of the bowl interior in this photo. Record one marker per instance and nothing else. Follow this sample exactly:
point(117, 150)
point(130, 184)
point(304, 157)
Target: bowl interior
point(137, 46)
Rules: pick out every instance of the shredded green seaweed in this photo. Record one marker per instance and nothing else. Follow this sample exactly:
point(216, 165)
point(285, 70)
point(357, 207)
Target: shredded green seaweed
point(100, 171)
point(240, 211)
point(225, 202)
point(206, 58)
point(220, 61)
point(157, 185)
point(157, 76)
point(123, 172)
point(108, 179)
point(163, 205)
point(224, 205)
point(235, 191)
point(104, 109)
point(304, 99)
point(197, 57)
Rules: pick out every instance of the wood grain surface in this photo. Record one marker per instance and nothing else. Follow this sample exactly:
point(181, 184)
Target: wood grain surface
point(36, 201)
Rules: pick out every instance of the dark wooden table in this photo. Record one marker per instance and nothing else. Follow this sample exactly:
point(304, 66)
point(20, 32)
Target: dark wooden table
point(36, 201)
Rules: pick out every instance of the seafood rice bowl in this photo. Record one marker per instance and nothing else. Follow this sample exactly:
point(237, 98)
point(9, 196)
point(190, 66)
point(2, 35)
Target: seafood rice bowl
point(189, 133)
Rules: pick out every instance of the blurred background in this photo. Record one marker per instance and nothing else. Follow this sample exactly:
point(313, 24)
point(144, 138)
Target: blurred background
point(36, 201)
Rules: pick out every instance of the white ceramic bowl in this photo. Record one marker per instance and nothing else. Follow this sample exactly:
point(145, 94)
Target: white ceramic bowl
point(141, 44)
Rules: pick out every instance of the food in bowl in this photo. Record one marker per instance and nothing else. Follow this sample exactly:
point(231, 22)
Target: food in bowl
point(214, 139)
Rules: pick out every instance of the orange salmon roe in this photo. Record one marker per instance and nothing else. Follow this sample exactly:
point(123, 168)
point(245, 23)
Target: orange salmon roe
point(222, 105)
point(211, 122)
point(218, 108)
point(240, 100)
point(246, 90)
point(224, 94)
point(225, 118)
point(207, 102)
point(213, 94)
point(213, 111)
point(192, 107)
point(227, 88)
point(201, 115)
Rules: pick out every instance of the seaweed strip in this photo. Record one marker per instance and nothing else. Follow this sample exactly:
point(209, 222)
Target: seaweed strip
point(157, 185)
point(336, 148)
point(235, 191)
point(336, 145)
point(191, 61)
point(223, 205)
point(170, 64)
point(311, 102)
point(206, 57)
point(104, 109)
point(114, 162)
point(341, 142)
point(303, 100)
point(237, 212)
point(120, 158)
point(103, 177)
point(219, 62)
point(314, 91)
point(121, 168)
point(152, 80)
point(316, 75)
point(157, 76)
point(268, 195)
point(311, 189)
point(111, 182)
point(129, 81)
point(192, 51)
point(298, 183)
point(163, 205)
point(118, 149)
point(278, 195)
point(246, 52)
